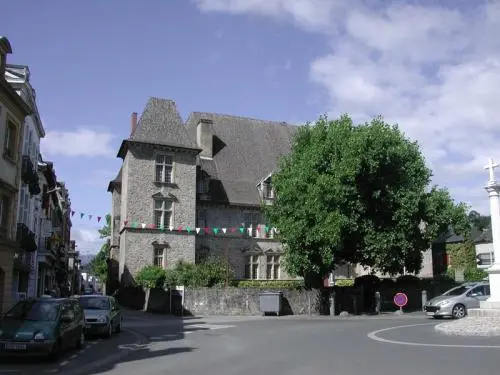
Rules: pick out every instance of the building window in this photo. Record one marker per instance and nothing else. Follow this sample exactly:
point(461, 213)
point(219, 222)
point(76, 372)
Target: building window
point(267, 190)
point(485, 259)
point(10, 140)
point(159, 258)
point(203, 184)
point(252, 267)
point(201, 220)
point(273, 267)
point(163, 213)
point(164, 167)
point(4, 211)
point(252, 219)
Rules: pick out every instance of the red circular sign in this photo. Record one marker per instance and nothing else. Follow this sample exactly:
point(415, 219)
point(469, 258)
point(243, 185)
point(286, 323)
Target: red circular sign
point(400, 299)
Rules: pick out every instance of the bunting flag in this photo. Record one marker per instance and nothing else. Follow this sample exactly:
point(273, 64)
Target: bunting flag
point(204, 231)
point(89, 216)
point(215, 231)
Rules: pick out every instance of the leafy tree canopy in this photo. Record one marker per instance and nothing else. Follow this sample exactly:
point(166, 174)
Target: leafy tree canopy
point(98, 265)
point(478, 221)
point(357, 194)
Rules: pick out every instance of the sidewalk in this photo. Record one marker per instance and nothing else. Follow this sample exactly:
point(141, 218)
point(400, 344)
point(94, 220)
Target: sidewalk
point(157, 317)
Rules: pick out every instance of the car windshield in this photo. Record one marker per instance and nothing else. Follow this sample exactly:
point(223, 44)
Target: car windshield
point(459, 290)
point(34, 310)
point(94, 303)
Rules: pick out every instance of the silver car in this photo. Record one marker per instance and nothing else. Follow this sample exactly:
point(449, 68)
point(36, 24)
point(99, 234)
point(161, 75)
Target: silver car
point(455, 302)
point(102, 314)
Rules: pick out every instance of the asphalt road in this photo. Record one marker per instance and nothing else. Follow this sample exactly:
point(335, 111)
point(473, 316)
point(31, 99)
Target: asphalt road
point(390, 345)
point(293, 346)
point(96, 351)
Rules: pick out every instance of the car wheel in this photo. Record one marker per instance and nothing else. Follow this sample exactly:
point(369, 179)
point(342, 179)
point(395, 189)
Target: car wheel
point(110, 330)
point(458, 311)
point(119, 327)
point(81, 340)
point(56, 350)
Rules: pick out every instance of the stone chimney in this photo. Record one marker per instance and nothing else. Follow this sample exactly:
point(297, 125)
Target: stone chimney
point(133, 123)
point(205, 138)
point(5, 49)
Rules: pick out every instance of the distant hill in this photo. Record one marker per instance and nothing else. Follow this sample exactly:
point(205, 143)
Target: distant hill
point(86, 258)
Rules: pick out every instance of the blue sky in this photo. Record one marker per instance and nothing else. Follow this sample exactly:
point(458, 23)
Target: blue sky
point(432, 69)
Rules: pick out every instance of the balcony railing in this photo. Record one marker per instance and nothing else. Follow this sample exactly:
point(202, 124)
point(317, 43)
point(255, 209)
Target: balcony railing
point(26, 238)
point(30, 176)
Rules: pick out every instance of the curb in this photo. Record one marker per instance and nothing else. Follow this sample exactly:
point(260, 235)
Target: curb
point(469, 327)
point(140, 340)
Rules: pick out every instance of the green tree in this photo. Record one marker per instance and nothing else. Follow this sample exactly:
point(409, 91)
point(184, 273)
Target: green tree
point(357, 194)
point(478, 221)
point(99, 265)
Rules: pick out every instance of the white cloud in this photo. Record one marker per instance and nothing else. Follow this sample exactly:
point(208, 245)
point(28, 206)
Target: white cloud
point(87, 240)
point(433, 70)
point(82, 142)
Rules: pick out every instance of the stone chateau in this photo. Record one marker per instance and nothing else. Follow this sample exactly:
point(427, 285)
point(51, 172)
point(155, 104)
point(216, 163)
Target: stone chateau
point(212, 172)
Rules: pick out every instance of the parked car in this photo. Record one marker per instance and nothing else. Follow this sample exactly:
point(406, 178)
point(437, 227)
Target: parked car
point(455, 302)
point(102, 314)
point(43, 326)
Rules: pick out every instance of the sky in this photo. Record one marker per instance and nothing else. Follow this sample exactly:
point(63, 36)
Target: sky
point(433, 67)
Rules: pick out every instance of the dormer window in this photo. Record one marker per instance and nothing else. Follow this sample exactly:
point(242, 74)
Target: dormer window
point(267, 190)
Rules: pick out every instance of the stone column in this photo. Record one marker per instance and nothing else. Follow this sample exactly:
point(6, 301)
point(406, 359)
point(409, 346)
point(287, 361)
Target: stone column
point(493, 189)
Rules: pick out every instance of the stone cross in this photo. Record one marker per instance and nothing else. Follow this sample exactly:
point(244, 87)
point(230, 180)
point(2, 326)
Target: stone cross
point(491, 168)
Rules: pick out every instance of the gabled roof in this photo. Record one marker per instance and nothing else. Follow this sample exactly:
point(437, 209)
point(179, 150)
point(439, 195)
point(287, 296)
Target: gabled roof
point(246, 150)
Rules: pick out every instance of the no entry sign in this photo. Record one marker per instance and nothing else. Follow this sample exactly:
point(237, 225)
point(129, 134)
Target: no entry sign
point(400, 299)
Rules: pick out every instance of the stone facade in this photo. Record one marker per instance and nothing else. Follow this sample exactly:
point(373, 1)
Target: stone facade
point(137, 196)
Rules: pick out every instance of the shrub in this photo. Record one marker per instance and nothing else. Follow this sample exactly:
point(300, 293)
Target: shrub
point(342, 283)
point(207, 274)
point(408, 280)
point(474, 274)
point(151, 277)
point(269, 284)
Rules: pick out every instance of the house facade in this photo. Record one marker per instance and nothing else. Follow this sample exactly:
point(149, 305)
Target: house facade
point(29, 204)
point(191, 190)
point(13, 111)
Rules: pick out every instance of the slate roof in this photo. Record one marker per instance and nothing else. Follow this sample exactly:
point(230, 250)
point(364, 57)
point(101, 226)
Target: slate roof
point(116, 181)
point(245, 151)
point(161, 124)
point(484, 237)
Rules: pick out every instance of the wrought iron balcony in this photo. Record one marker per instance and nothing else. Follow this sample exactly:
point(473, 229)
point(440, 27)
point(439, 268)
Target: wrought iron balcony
point(26, 238)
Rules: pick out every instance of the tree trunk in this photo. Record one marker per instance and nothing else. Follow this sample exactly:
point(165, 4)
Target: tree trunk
point(314, 284)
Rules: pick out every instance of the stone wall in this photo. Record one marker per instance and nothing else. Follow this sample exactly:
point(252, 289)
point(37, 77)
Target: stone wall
point(245, 301)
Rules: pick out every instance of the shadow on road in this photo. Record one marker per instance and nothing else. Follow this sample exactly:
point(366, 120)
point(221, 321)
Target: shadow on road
point(160, 340)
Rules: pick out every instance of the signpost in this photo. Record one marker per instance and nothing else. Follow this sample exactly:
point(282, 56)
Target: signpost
point(400, 300)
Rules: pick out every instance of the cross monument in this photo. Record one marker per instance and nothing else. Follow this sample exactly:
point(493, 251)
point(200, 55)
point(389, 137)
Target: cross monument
point(493, 189)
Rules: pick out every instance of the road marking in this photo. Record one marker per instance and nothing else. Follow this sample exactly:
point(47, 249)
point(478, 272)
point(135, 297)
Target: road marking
point(374, 336)
point(209, 326)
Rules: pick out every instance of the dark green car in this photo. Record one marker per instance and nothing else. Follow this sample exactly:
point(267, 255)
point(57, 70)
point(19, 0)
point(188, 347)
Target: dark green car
point(45, 326)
